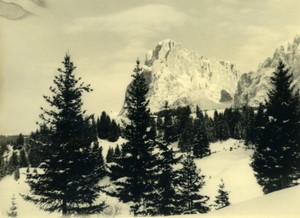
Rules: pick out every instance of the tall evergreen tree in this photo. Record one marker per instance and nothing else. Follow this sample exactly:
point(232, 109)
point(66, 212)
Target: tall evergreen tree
point(190, 183)
point(222, 199)
point(69, 182)
point(136, 164)
point(276, 161)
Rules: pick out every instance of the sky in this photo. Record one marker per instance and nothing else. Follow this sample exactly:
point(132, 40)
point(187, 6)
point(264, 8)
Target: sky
point(105, 37)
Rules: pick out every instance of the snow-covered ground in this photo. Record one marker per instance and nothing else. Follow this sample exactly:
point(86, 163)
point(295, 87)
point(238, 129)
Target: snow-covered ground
point(283, 203)
point(106, 144)
point(229, 161)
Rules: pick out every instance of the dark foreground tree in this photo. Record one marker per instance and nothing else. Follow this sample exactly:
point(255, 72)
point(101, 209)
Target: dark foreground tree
point(222, 199)
point(276, 161)
point(68, 179)
point(134, 169)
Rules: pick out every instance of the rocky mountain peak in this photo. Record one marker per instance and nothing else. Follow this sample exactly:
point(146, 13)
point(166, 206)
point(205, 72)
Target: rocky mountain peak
point(253, 87)
point(183, 77)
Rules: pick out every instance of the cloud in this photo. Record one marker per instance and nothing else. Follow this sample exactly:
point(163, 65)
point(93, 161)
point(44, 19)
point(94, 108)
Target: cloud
point(12, 11)
point(139, 21)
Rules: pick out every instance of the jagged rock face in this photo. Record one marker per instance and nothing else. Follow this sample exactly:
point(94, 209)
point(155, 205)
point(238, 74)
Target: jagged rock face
point(253, 87)
point(183, 77)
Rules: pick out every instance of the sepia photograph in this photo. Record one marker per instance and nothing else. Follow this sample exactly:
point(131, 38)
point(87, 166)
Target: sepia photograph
point(149, 108)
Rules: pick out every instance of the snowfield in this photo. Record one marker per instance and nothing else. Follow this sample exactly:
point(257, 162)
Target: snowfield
point(283, 203)
point(229, 161)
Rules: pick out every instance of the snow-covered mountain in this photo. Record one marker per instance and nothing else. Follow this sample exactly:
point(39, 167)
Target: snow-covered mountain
point(183, 77)
point(253, 87)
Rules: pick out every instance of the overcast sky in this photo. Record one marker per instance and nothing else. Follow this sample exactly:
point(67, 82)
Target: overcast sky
point(104, 38)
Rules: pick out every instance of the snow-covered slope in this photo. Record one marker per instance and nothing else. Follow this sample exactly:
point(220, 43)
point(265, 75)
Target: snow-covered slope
point(284, 203)
point(229, 161)
point(9, 187)
point(183, 77)
point(253, 87)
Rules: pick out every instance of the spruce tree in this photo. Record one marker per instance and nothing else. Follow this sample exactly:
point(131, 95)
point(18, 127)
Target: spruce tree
point(13, 163)
point(37, 146)
point(117, 152)
point(69, 181)
point(114, 132)
point(19, 142)
point(23, 159)
point(103, 125)
point(17, 174)
point(186, 137)
point(135, 167)
point(276, 159)
point(13, 209)
point(222, 199)
point(249, 122)
point(200, 142)
point(110, 155)
point(166, 125)
point(190, 183)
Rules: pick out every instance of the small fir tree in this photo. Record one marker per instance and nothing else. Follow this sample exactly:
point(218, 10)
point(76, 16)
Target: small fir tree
point(13, 163)
point(114, 132)
point(19, 142)
point(13, 209)
point(110, 155)
point(186, 137)
point(117, 152)
point(23, 159)
point(222, 199)
point(103, 125)
point(200, 142)
point(17, 174)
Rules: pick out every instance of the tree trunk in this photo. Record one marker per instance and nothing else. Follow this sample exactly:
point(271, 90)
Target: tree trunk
point(64, 207)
